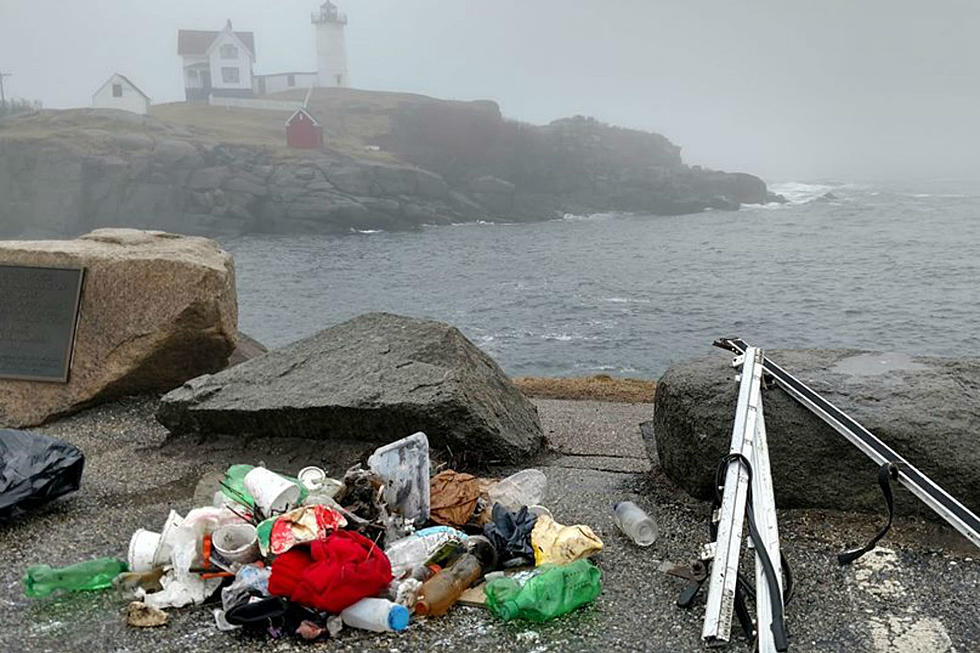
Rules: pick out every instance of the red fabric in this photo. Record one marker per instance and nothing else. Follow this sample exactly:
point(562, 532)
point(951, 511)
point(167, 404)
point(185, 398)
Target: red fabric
point(287, 569)
point(340, 571)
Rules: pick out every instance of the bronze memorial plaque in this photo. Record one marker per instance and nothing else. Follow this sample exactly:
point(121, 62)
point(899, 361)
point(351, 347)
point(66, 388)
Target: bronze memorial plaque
point(38, 317)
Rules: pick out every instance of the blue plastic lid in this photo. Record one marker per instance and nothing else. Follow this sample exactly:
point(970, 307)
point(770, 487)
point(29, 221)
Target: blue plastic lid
point(398, 618)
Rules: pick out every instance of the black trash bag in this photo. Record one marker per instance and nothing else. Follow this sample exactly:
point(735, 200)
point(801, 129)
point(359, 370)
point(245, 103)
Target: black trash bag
point(35, 469)
point(510, 534)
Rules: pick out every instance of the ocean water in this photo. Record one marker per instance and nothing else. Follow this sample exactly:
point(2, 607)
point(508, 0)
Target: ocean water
point(893, 268)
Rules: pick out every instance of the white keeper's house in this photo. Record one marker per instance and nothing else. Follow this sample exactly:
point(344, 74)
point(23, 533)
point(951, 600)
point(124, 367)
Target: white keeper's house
point(216, 63)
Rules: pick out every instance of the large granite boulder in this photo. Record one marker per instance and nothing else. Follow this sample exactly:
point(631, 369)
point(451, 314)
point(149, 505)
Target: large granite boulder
point(378, 377)
point(157, 309)
point(927, 409)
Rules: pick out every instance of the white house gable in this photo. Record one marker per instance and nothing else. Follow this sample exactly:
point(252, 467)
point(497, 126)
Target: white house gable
point(120, 93)
point(216, 63)
point(230, 62)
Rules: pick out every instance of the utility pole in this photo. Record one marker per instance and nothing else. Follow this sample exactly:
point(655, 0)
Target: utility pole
point(3, 98)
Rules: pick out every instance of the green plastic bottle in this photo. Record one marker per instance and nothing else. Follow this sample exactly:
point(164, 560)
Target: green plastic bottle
point(41, 580)
point(552, 591)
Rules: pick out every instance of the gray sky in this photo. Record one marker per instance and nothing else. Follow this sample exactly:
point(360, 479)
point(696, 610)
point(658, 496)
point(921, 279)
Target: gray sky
point(788, 89)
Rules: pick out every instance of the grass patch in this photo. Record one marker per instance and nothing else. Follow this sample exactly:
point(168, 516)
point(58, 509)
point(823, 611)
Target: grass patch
point(600, 387)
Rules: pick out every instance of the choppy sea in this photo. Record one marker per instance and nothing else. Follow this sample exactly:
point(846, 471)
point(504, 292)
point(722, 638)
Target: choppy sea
point(877, 266)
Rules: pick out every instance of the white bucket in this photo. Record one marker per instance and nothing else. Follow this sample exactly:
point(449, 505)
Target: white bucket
point(273, 494)
point(165, 546)
point(236, 543)
point(142, 546)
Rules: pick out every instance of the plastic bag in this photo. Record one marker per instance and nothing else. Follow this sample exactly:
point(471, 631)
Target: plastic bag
point(249, 581)
point(35, 469)
point(510, 534)
point(559, 544)
point(233, 485)
point(302, 525)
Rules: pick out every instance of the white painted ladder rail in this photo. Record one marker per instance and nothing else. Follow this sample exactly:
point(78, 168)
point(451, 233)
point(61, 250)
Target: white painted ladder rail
point(924, 488)
point(748, 444)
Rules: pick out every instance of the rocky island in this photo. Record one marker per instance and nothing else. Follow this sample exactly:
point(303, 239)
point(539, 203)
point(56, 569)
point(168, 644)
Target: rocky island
point(390, 161)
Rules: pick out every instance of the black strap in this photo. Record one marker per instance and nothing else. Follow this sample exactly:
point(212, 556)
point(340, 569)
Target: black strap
point(778, 625)
point(885, 473)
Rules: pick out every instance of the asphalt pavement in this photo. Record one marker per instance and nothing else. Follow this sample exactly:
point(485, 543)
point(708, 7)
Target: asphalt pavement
point(916, 593)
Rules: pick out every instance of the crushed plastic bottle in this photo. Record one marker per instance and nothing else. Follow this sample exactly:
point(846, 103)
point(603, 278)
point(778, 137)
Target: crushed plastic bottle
point(635, 523)
point(440, 592)
point(551, 591)
point(409, 552)
point(525, 488)
point(41, 580)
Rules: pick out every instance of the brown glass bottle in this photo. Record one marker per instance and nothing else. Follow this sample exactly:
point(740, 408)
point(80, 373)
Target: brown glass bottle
point(441, 591)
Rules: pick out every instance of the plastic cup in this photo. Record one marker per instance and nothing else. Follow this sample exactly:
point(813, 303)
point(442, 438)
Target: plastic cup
point(539, 510)
point(273, 494)
point(312, 477)
point(165, 546)
point(236, 543)
point(142, 547)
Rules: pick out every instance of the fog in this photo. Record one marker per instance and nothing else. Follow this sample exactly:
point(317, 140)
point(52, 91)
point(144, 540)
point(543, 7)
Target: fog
point(877, 89)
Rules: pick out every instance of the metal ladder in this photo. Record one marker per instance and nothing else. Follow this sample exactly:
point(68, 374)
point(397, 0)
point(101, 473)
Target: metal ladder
point(747, 491)
point(929, 492)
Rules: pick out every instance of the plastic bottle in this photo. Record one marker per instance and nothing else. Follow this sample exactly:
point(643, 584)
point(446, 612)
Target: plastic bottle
point(484, 551)
point(423, 573)
point(635, 523)
point(409, 552)
point(440, 592)
point(377, 615)
point(552, 591)
point(525, 488)
point(41, 580)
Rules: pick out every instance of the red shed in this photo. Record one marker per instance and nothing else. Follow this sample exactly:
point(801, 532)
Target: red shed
point(303, 131)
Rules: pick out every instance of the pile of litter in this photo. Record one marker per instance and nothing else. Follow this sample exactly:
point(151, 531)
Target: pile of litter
point(305, 555)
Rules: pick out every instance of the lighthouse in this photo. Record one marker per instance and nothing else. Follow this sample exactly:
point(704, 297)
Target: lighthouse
point(331, 48)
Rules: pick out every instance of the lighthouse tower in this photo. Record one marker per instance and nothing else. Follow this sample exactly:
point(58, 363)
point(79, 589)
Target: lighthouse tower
point(331, 48)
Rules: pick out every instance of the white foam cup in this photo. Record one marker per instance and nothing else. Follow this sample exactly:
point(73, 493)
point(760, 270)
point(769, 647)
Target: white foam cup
point(273, 494)
point(142, 546)
point(236, 543)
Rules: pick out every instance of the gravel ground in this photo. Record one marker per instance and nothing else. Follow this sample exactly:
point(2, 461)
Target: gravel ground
point(917, 594)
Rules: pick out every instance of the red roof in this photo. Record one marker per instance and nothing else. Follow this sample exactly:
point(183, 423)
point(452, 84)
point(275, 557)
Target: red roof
point(197, 42)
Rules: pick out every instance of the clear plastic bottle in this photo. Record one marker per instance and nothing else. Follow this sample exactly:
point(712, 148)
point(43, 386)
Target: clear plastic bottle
point(552, 591)
point(41, 580)
point(409, 552)
point(377, 615)
point(525, 488)
point(440, 592)
point(635, 523)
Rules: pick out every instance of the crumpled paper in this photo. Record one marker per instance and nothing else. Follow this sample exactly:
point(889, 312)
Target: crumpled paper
point(453, 497)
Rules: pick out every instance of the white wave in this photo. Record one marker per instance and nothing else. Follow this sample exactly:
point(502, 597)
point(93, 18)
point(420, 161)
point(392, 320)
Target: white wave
point(625, 300)
point(560, 337)
point(603, 215)
point(800, 193)
point(366, 231)
point(940, 195)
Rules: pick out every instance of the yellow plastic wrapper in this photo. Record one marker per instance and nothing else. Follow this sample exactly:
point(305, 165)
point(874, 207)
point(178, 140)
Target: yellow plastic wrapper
point(558, 544)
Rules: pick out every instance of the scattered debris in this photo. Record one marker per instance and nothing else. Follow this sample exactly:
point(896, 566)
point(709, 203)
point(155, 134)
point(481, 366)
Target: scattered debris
point(303, 556)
